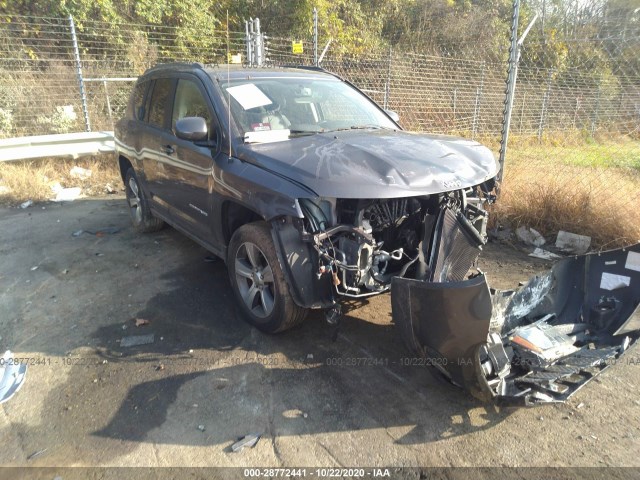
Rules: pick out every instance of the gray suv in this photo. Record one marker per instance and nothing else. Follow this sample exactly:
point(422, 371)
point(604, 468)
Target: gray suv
point(306, 188)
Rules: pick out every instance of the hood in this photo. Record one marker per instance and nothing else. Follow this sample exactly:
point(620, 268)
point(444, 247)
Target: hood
point(376, 163)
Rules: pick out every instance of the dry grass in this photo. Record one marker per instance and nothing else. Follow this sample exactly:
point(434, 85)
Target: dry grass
point(595, 201)
point(541, 190)
point(33, 179)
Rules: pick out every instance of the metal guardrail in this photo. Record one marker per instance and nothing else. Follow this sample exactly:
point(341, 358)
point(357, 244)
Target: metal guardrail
point(72, 145)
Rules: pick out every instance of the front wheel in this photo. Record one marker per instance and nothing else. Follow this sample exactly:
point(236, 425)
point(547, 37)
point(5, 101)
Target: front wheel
point(258, 281)
point(141, 217)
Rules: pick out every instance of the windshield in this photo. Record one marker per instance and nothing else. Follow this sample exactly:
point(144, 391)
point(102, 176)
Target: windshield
point(302, 106)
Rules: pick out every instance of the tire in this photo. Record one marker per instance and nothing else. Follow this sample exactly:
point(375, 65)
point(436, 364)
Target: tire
point(258, 281)
point(141, 217)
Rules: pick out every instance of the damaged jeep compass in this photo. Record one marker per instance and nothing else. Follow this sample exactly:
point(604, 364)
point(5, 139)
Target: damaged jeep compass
point(312, 193)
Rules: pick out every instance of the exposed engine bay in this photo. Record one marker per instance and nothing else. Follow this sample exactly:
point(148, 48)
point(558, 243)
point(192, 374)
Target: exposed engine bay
point(363, 244)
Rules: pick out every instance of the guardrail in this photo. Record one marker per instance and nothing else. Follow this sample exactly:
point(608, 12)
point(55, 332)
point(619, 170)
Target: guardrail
point(72, 145)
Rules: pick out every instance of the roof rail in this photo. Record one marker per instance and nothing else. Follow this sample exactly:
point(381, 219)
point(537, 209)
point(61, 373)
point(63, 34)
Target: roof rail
point(306, 67)
point(176, 65)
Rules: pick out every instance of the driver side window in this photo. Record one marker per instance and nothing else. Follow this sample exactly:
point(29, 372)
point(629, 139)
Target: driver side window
point(189, 102)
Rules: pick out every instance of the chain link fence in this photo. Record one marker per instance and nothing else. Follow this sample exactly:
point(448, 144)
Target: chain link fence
point(574, 151)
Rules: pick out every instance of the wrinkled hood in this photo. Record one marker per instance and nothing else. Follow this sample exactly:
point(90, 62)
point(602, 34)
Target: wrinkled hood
point(376, 163)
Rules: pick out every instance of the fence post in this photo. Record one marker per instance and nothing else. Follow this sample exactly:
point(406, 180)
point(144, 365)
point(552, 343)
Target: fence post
point(545, 106)
point(106, 93)
point(315, 36)
point(387, 85)
point(594, 119)
point(455, 104)
point(476, 109)
point(83, 95)
point(512, 76)
point(247, 38)
point(258, 44)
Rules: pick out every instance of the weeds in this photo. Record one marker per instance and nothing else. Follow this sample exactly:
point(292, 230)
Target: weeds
point(34, 179)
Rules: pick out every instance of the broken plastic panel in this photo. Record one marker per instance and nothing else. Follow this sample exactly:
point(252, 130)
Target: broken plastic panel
point(539, 344)
point(12, 375)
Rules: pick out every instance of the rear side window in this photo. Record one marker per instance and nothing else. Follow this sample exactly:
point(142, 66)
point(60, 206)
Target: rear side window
point(138, 100)
point(158, 105)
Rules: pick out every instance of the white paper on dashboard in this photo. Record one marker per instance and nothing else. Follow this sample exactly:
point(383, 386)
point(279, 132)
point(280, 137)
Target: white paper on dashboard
point(249, 96)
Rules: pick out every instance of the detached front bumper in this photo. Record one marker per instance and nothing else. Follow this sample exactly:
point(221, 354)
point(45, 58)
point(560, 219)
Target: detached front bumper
point(538, 344)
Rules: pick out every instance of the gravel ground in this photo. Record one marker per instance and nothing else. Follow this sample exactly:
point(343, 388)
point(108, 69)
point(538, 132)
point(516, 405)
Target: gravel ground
point(208, 378)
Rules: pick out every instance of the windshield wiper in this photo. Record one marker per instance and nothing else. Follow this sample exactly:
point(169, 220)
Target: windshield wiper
point(302, 133)
point(362, 127)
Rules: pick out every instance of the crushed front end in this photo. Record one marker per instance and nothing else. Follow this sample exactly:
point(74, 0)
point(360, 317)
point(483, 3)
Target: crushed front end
point(362, 244)
point(539, 344)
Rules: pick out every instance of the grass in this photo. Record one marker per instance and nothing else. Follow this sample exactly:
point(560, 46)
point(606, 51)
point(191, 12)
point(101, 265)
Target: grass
point(591, 189)
point(565, 183)
point(33, 179)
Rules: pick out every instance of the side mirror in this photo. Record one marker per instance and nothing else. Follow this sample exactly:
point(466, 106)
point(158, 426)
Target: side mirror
point(192, 128)
point(393, 115)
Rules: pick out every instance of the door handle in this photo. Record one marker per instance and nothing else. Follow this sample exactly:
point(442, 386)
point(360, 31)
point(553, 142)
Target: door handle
point(168, 149)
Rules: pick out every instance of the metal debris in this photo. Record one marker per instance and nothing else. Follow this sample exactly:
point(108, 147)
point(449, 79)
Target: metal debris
point(573, 243)
point(248, 441)
point(135, 340)
point(544, 254)
point(11, 376)
point(530, 236)
point(36, 454)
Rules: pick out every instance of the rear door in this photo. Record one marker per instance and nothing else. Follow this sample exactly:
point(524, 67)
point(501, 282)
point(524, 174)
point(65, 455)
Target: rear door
point(156, 143)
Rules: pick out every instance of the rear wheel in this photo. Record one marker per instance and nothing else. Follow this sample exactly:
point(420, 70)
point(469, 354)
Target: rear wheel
point(258, 281)
point(141, 217)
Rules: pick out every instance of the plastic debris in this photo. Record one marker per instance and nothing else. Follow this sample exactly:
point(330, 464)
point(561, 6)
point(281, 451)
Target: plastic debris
point(33, 269)
point(572, 242)
point(26, 204)
point(530, 236)
point(248, 441)
point(140, 322)
point(201, 428)
point(210, 259)
point(81, 173)
point(109, 189)
point(11, 376)
point(544, 254)
point(67, 194)
point(77, 233)
point(135, 340)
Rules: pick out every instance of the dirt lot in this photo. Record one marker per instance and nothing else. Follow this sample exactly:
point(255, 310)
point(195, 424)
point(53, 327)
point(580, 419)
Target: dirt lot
point(208, 378)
